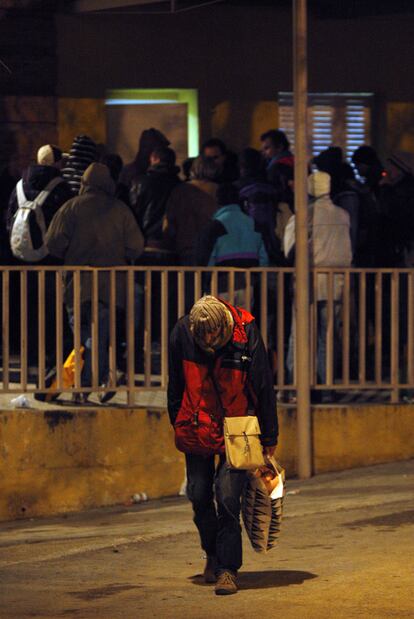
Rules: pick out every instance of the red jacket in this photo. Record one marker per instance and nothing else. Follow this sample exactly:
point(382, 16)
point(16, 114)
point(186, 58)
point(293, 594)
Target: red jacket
point(203, 388)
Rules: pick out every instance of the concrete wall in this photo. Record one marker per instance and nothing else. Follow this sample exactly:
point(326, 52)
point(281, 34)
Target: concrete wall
point(57, 461)
point(29, 122)
point(238, 58)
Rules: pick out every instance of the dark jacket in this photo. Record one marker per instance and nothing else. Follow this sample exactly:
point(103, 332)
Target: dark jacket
point(241, 375)
point(279, 172)
point(154, 189)
point(396, 220)
point(259, 200)
point(188, 211)
point(349, 201)
point(95, 229)
point(368, 243)
point(7, 185)
point(35, 179)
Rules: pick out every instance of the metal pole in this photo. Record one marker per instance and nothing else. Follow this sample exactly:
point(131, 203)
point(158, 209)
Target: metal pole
point(301, 226)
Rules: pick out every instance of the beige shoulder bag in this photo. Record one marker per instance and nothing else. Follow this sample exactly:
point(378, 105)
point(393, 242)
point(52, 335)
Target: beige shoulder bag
point(241, 438)
point(242, 441)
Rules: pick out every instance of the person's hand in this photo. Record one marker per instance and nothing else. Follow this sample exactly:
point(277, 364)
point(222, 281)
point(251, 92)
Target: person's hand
point(269, 450)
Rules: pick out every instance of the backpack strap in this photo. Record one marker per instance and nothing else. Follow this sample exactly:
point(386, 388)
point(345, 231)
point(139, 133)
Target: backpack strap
point(41, 197)
point(40, 200)
point(21, 196)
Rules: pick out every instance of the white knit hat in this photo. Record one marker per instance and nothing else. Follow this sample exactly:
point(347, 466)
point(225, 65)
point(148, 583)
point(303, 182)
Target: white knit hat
point(319, 184)
point(207, 316)
point(49, 154)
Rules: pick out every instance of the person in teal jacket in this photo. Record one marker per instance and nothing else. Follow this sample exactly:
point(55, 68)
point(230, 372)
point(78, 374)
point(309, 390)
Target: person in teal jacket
point(231, 240)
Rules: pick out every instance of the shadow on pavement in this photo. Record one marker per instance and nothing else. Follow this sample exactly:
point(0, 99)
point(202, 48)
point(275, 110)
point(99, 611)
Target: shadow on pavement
point(394, 520)
point(264, 579)
point(273, 578)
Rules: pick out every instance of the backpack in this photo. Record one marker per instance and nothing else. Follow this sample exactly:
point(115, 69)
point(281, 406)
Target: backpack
point(30, 212)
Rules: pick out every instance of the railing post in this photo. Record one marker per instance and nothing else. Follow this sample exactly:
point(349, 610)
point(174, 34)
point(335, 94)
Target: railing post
point(6, 328)
point(130, 337)
point(41, 328)
point(24, 349)
point(59, 328)
point(302, 259)
point(395, 320)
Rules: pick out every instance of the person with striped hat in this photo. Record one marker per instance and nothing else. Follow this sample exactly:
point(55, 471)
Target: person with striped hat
point(218, 367)
point(83, 152)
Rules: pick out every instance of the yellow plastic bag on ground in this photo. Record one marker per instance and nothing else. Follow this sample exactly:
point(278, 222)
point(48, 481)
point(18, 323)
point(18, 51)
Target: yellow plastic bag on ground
point(68, 373)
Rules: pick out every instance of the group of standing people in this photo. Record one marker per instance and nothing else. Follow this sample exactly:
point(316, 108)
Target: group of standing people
point(223, 210)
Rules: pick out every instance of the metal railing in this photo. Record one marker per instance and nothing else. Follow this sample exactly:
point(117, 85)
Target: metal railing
point(361, 325)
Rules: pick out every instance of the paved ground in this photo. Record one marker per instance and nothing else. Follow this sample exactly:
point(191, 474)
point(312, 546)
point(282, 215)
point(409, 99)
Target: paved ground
point(157, 398)
point(346, 551)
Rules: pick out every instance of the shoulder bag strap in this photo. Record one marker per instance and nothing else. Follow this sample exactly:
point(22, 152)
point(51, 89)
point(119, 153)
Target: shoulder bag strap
point(216, 389)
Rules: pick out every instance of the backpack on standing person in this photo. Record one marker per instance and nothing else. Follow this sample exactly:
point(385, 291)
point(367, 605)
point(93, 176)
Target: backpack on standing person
point(29, 214)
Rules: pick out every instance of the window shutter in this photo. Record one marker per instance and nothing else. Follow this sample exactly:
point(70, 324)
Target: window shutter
point(357, 126)
point(321, 127)
point(333, 120)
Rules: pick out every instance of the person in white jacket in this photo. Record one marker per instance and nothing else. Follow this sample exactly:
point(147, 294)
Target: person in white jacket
point(329, 246)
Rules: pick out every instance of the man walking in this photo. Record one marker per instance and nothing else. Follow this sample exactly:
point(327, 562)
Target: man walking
point(218, 366)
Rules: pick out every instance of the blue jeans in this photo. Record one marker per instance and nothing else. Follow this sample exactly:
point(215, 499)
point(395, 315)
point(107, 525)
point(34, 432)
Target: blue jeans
point(322, 327)
point(220, 530)
point(321, 330)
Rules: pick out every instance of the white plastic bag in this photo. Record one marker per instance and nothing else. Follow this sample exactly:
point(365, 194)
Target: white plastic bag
point(262, 506)
point(21, 401)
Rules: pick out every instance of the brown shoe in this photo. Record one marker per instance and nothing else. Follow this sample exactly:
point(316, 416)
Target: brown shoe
point(209, 570)
point(226, 584)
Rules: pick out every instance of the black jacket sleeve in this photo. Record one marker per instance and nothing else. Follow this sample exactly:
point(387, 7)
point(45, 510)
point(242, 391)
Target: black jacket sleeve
point(176, 381)
point(207, 240)
point(11, 210)
point(260, 378)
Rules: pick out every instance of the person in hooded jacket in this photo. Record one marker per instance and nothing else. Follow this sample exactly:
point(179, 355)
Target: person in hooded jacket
point(153, 193)
point(259, 200)
point(280, 163)
point(218, 365)
point(82, 153)
point(98, 230)
point(343, 191)
point(231, 239)
point(132, 172)
point(329, 242)
point(35, 179)
point(190, 207)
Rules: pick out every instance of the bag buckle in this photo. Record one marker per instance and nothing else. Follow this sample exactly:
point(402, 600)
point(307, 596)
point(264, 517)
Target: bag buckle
point(246, 445)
